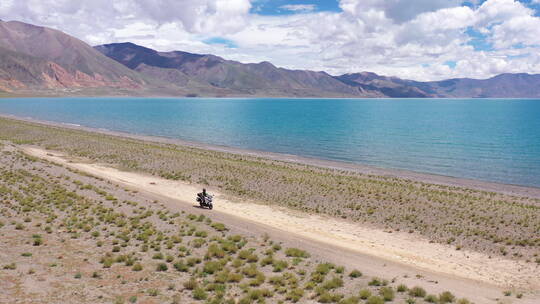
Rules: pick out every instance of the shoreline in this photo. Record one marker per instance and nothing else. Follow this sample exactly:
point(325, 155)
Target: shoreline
point(471, 266)
point(5, 95)
point(440, 265)
point(508, 189)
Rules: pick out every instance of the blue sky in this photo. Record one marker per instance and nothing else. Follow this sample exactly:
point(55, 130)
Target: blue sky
point(478, 40)
point(414, 39)
point(221, 41)
point(279, 7)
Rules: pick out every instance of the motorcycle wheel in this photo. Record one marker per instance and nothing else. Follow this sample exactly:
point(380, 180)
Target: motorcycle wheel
point(210, 206)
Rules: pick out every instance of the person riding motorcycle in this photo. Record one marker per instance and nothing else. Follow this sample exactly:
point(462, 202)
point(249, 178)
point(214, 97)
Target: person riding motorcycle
point(205, 200)
point(203, 195)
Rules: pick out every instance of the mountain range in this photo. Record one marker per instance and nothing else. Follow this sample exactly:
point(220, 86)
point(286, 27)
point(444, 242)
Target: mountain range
point(40, 61)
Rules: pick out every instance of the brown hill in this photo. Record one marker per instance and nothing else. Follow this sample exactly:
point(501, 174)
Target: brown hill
point(35, 58)
point(501, 86)
point(261, 79)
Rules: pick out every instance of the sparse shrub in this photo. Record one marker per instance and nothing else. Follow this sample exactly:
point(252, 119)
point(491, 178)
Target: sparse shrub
point(258, 294)
point(258, 280)
point(191, 284)
point(201, 234)
point(161, 267)
point(297, 253)
point(234, 277)
point(417, 292)
point(193, 261)
point(387, 293)
point(214, 251)
point(212, 267)
point(38, 242)
point(402, 288)
point(11, 266)
point(333, 283)
point(324, 268)
point(375, 300)
point(235, 238)
point(446, 297)
point(244, 254)
point(294, 295)
point(277, 281)
point(279, 265)
point(129, 262)
point(180, 266)
point(137, 267)
point(355, 274)
point(250, 271)
point(108, 262)
point(431, 298)
point(269, 260)
point(364, 294)
point(350, 300)
point(197, 243)
point(327, 297)
point(199, 294)
point(219, 226)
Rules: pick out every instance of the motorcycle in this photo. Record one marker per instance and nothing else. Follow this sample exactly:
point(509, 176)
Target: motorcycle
point(205, 202)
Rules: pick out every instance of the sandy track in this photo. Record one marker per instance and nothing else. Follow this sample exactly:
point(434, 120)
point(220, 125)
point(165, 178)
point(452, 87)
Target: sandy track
point(403, 248)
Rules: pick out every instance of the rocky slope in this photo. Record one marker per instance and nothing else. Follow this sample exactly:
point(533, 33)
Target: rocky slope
point(34, 57)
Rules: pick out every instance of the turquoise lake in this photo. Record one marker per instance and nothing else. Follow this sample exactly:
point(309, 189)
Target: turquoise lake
point(493, 140)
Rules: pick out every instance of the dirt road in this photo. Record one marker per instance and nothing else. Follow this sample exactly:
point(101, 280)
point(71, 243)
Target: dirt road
point(376, 252)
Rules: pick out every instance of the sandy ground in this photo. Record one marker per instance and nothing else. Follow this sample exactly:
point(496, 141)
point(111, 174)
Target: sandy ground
point(478, 276)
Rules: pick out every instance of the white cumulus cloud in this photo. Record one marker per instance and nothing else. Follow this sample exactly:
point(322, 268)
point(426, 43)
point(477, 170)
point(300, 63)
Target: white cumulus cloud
point(407, 38)
point(299, 7)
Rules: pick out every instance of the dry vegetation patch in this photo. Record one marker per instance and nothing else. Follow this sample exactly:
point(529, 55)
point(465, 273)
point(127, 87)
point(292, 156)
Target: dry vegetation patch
point(69, 237)
point(488, 222)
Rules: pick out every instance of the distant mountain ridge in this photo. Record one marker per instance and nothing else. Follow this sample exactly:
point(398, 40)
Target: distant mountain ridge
point(36, 60)
point(247, 79)
point(501, 86)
